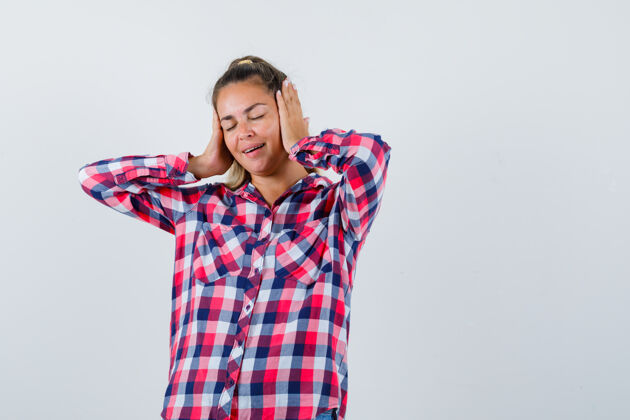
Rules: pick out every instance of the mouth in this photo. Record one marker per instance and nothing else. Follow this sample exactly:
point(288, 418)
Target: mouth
point(252, 148)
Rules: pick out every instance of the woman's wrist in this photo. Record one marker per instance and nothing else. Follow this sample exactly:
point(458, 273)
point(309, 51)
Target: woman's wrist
point(200, 167)
point(193, 166)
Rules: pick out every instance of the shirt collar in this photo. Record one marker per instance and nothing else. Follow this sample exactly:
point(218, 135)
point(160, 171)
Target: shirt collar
point(311, 180)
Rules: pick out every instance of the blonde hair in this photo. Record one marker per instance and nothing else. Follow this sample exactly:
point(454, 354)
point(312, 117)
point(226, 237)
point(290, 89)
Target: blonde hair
point(243, 69)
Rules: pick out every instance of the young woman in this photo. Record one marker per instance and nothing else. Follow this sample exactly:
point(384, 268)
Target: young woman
point(264, 262)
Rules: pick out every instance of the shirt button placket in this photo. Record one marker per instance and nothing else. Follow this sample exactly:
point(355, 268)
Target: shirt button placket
point(264, 233)
point(225, 397)
point(263, 238)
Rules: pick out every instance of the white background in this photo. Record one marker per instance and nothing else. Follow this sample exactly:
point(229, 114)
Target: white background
point(495, 280)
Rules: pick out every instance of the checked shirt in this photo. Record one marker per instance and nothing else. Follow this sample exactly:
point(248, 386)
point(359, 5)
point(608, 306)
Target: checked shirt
point(260, 311)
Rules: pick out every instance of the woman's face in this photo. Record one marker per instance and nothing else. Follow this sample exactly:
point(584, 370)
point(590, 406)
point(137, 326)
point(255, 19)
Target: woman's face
point(249, 117)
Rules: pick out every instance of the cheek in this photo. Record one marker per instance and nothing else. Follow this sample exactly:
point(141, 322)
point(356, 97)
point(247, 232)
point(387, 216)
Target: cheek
point(272, 129)
point(230, 142)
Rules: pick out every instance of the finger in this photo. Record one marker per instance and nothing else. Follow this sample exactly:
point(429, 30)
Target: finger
point(215, 118)
point(287, 94)
point(298, 104)
point(293, 92)
point(282, 107)
point(295, 99)
point(291, 100)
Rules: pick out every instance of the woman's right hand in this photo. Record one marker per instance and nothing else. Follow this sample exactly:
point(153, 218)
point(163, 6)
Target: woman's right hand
point(216, 159)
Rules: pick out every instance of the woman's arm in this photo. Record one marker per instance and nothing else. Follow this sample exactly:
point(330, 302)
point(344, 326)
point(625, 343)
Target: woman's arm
point(362, 160)
point(144, 186)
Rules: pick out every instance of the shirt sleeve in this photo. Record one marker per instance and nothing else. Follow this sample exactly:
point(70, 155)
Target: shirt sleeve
point(362, 160)
point(143, 186)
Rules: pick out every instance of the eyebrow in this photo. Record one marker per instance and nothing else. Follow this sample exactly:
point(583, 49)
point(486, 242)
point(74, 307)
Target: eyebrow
point(249, 108)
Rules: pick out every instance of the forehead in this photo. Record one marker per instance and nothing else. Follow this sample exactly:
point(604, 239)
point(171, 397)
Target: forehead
point(234, 98)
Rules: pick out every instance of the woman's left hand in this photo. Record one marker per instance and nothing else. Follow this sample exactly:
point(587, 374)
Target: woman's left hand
point(293, 126)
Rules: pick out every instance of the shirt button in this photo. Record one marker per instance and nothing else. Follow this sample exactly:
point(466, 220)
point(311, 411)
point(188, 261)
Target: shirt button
point(231, 381)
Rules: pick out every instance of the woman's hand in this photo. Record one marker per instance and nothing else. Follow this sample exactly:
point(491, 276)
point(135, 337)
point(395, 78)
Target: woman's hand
point(216, 159)
point(293, 126)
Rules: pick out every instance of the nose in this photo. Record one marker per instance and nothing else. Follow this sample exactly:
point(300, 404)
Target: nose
point(244, 130)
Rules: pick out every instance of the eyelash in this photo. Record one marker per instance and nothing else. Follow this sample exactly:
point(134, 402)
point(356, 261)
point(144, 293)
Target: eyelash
point(230, 129)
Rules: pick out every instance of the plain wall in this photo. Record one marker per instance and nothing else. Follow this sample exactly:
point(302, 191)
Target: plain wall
point(494, 283)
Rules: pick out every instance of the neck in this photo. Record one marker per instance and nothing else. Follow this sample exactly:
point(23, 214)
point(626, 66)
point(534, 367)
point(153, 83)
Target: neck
point(272, 186)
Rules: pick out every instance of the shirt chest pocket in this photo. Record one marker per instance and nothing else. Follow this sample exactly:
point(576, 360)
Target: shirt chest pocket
point(300, 251)
point(222, 250)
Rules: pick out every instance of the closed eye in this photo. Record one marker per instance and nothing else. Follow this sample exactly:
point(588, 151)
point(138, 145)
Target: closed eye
point(255, 118)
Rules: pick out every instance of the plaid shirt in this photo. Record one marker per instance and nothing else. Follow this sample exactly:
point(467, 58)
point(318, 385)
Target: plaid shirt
point(261, 295)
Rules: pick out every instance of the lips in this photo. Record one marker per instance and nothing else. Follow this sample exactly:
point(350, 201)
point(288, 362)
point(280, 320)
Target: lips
point(252, 146)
